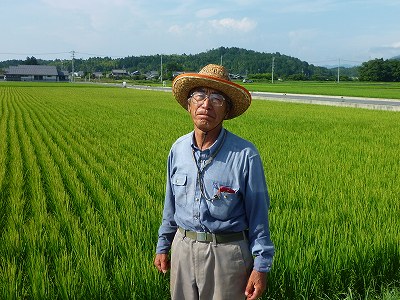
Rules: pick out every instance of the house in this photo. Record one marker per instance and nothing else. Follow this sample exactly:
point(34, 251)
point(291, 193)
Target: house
point(78, 74)
point(63, 75)
point(176, 74)
point(33, 73)
point(135, 73)
point(235, 76)
point(119, 73)
point(151, 75)
point(97, 75)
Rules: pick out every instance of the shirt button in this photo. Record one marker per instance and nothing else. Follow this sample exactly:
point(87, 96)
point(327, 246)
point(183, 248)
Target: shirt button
point(197, 199)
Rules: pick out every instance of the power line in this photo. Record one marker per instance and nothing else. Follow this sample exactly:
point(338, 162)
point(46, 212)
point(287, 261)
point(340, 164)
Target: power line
point(100, 55)
point(322, 61)
point(14, 53)
point(335, 60)
point(353, 61)
point(58, 53)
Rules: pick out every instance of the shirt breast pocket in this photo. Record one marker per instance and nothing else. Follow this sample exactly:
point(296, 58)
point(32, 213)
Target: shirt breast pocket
point(226, 206)
point(179, 184)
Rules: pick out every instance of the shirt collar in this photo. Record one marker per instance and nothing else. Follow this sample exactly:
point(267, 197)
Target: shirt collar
point(213, 147)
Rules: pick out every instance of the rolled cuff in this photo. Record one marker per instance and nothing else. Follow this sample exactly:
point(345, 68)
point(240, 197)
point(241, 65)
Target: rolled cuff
point(262, 264)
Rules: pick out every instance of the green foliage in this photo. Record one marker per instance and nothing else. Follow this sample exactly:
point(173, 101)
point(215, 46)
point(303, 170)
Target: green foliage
point(261, 76)
point(380, 70)
point(237, 60)
point(351, 89)
point(247, 63)
point(82, 175)
point(31, 61)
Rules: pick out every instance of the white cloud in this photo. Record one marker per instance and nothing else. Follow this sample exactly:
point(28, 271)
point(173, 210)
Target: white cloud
point(396, 45)
point(181, 30)
point(385, 51)
point(243, 25)
point(206, 13)
point(201, 29)
point(100, 13)
point(311, 29)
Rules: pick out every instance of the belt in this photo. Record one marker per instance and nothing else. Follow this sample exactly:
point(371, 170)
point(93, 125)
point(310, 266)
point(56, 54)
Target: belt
point(208, 237)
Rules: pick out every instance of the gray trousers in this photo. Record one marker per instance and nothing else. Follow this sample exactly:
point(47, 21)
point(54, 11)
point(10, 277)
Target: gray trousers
point(205, 271)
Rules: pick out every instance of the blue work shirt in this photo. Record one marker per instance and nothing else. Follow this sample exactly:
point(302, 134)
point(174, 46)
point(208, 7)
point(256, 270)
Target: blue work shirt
point(231, 195)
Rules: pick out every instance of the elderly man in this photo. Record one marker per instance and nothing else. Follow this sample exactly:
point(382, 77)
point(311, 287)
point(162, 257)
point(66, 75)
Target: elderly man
point(215, 219)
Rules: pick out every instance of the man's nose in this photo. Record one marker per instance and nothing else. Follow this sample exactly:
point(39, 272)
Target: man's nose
point(206, 103)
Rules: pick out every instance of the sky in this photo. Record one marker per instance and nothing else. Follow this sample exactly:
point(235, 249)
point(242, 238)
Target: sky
point(320, 32)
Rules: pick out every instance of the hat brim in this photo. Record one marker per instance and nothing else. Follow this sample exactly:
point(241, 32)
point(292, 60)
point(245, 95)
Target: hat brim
point(238, 95)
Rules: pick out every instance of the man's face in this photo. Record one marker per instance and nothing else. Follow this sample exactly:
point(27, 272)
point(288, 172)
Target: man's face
point(207, 108)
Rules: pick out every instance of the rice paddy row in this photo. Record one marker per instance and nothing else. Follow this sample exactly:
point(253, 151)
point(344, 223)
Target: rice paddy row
point(82, 173)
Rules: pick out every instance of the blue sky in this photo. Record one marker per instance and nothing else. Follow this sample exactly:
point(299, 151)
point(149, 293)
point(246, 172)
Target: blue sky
point(321, 32)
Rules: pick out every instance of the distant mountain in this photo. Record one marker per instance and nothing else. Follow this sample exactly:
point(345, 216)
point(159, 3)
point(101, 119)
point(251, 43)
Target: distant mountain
point(396, 57)
point(335, 66)
point(236, 60)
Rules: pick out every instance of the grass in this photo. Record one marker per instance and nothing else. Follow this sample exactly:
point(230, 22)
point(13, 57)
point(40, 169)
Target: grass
point(82, 174)
point(385, 90)
point(350, 89)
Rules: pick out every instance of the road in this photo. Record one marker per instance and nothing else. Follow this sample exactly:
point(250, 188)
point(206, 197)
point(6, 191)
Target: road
point(369, 103)
point(359, 102)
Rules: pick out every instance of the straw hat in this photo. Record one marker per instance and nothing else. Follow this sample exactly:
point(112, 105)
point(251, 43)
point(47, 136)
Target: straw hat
point(214, 77)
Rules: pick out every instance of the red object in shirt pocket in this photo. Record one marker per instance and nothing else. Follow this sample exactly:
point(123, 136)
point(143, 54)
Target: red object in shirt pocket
point(225, 189)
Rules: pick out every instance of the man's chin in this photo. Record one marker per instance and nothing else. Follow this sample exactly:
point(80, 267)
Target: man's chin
point(206, 126)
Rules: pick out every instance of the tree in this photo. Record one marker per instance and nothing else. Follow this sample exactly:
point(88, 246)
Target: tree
point(31, 61)
point(237, 60)
point(380, 70)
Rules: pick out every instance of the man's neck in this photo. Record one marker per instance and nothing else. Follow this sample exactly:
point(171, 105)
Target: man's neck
point(205, 140)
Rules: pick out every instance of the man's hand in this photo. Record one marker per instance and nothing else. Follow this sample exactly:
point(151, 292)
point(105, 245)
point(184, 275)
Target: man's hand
point(256, 285)
point(161, 261)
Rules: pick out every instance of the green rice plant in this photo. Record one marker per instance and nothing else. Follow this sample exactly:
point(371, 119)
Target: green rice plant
point(331, 174)
point(82, 175)
point(389, 90)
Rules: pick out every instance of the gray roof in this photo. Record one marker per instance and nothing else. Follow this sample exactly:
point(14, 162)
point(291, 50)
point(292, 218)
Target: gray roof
point(32, 70)
point(63, 73)
point(119, 71)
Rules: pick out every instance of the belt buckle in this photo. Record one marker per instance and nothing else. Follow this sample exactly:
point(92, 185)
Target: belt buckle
point(201, 236)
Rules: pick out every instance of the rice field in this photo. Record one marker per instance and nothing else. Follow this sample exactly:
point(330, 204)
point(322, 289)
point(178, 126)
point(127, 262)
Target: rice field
point(386, 90)
point(82, 173)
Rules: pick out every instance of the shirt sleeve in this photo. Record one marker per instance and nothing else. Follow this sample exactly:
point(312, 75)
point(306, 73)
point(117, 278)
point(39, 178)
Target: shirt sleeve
point(168, 226)
point(257, 204)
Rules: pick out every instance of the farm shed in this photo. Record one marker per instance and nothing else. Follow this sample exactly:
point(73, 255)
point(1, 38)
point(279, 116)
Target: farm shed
point(33, 73)
point(97, 75)
point(119, 73)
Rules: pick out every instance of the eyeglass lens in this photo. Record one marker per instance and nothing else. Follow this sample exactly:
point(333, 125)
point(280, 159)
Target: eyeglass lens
point(215, 99)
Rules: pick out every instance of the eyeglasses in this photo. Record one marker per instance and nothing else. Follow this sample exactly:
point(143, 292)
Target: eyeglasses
point(198, 98)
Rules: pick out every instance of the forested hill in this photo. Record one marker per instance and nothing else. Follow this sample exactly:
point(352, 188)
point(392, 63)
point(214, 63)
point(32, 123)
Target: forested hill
point(237, 60)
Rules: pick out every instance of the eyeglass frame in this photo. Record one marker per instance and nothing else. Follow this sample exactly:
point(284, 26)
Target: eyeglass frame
point(213, 102)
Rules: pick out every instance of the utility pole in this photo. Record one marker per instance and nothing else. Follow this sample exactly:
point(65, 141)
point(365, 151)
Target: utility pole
point(338, 72)
point(161, 70)
point(273, 67)
point(73, 70)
